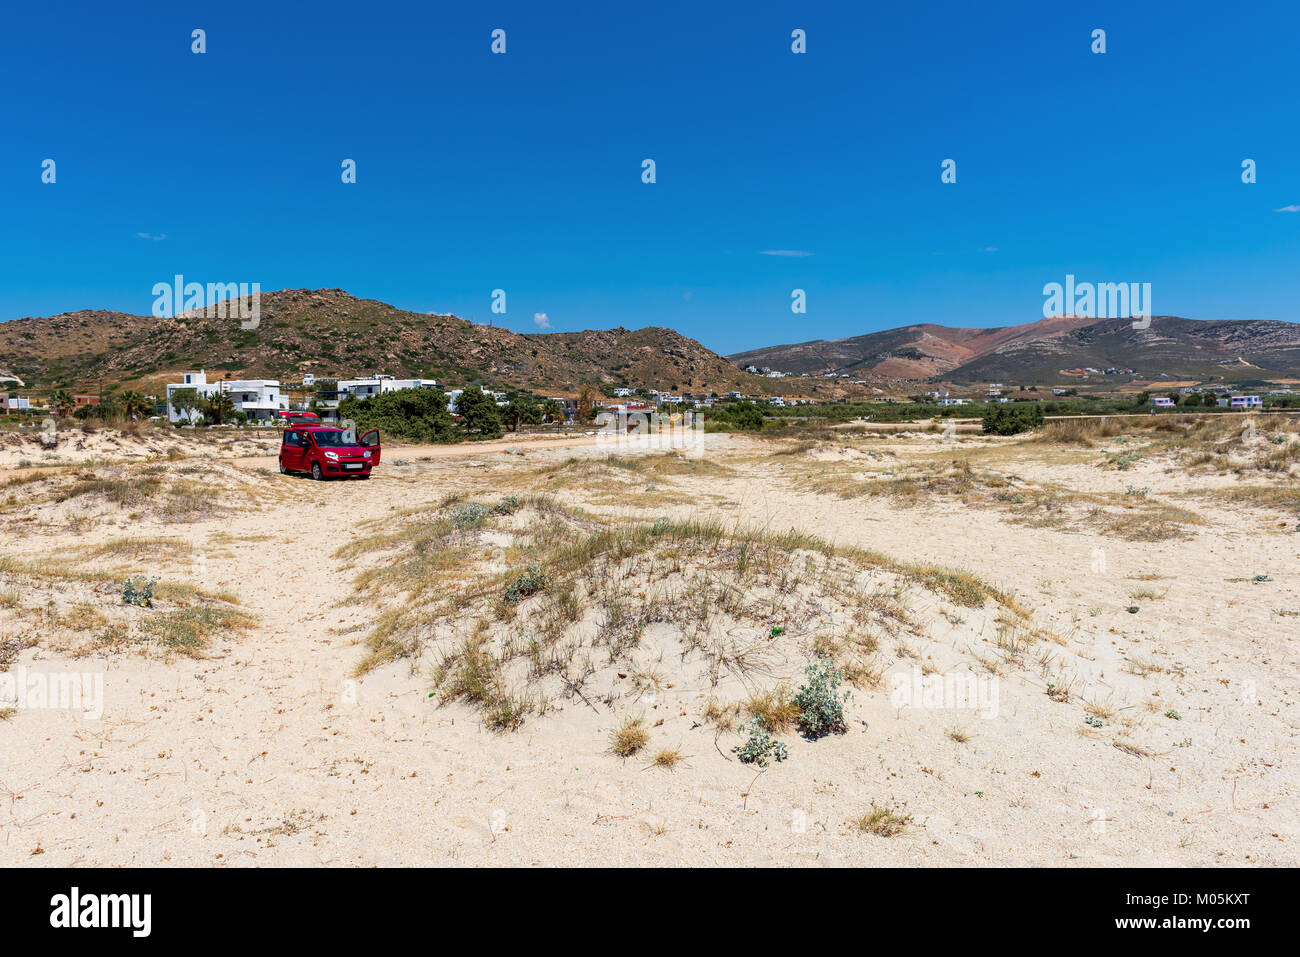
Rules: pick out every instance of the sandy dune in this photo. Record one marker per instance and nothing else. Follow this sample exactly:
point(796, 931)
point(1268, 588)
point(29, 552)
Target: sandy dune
point(1161, 736)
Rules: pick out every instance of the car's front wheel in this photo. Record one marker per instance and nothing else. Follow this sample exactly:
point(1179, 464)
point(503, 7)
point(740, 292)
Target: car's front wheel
point(315, 471)
point(283, 470)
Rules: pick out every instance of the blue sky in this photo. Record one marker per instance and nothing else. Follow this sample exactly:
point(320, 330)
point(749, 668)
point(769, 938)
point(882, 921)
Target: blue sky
point(523, 171)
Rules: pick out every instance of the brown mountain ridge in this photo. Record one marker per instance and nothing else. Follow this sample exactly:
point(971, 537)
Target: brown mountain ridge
point(328, 332)
point(1040, 351)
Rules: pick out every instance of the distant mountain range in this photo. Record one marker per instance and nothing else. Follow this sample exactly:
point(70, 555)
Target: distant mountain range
point(328, 332)
point(1051, 350)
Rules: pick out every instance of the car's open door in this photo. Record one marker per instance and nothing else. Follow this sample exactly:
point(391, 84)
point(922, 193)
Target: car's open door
point(370, 440)
point(291, 450)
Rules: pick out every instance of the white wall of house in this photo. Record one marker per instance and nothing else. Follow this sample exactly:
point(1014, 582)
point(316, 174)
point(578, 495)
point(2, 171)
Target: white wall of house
point(361, 388)
point(377, 385)
point(1240, 402)
point(256, 398)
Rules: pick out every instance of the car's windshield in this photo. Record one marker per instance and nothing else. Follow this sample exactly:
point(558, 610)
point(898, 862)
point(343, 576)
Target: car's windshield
point(333, 439)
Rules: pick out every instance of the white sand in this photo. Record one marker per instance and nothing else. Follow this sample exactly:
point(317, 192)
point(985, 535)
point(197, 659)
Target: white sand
point(265, 751)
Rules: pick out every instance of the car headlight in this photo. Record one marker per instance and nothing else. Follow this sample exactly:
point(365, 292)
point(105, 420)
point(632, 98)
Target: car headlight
point(332, 456)
point(366, 453)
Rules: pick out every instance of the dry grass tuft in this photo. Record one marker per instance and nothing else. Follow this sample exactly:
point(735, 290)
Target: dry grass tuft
point(723, 717)
point(629, 738)
point(668, 759)
point(775, 708)
point(1132, 747)
point(883, 821)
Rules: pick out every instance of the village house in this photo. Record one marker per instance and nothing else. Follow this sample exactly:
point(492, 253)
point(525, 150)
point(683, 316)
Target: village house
point(259, 399)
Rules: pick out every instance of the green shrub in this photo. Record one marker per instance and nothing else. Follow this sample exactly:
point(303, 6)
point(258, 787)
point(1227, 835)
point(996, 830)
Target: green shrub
point(761, 748)
point(740, 415)
point(1008, 419)
point(467, 515)
point(529, 582)
point(419, 415)
point(820, 703)
point(137, 592)
point(479, 413)
point(471, 514)
point(522, 409)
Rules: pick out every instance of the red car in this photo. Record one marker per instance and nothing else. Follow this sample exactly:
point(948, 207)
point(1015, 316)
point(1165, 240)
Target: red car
point(324, 452)
point(299, 418)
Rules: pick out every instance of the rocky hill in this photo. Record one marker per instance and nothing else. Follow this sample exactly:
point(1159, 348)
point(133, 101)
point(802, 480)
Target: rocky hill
point(1052, 349)
point(328, 332)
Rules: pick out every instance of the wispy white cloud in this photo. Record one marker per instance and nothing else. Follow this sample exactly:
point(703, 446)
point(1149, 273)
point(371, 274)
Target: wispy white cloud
point(792, 253)
point(157, 238)
point(1288, 209)
point(541, 320)
point(989, 249)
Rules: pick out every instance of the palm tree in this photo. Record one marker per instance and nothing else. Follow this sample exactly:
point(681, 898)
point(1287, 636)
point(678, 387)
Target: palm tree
point(135, 405)
point(553, 410)
point(62, 402)
point(219, 407)
point(109, 407)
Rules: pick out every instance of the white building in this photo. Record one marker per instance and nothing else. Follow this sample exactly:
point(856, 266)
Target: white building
point(364, 388)
point(453, 398)
point(256, 398)
point(1240, 402)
